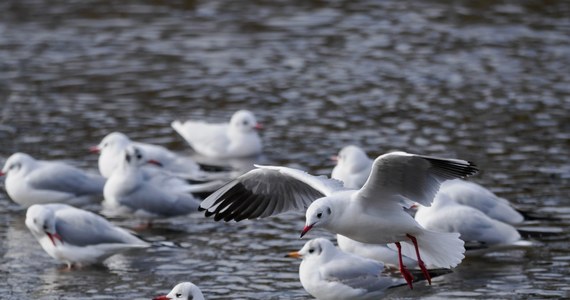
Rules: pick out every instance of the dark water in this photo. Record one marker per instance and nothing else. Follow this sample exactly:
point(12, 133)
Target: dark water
point(487, 81)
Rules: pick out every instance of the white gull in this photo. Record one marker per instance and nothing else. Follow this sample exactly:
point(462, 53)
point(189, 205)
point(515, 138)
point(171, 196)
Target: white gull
point(30, 181)
point(130, 190)
point(374, 214)
point(238, 138)
point(75, 236)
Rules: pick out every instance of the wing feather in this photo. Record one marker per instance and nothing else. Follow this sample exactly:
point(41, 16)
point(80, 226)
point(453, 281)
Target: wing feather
point(267, 191)
point(415, 178)
point(82, 228)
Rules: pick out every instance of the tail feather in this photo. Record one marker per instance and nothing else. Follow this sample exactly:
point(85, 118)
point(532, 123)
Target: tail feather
point(437, 249)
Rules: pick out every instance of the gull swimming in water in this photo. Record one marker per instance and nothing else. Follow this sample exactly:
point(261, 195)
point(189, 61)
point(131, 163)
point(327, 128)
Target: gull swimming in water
point(329, 273)
point(475, 227)
point(130, 191)
point(238, 138)
point(75, 236)
point(30, 181)
point(480, 198)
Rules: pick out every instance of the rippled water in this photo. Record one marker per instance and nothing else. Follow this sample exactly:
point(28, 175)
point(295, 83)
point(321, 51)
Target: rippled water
point(487, 81)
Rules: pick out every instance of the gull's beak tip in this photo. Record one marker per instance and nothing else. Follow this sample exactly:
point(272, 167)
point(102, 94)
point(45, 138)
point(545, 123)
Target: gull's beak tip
point(305, 230)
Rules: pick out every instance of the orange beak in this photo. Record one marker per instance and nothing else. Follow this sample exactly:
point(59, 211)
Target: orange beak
point(294, 254)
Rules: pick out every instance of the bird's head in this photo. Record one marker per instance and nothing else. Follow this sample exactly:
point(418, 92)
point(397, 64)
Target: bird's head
point(318, 214)
point(183, 291)
point(315, 248)
point(114, 140)
point(244, 121)
point(40, 220)
point(17, 162)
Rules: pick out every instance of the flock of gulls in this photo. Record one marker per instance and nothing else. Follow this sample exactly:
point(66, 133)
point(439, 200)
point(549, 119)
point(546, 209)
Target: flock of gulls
point(409, 213)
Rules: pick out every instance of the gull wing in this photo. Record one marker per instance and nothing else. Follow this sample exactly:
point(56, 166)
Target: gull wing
point(67, 179)
point(82, 228)
point(160, 200)
point(357, 273)
point(267, 191)
point(402, 178)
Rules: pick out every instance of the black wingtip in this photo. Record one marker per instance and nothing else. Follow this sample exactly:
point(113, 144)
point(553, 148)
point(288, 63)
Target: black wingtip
point(471, 168)
point(453, 168)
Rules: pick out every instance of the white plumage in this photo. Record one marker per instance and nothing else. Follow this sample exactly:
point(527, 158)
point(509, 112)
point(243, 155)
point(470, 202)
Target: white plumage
point(353, 167)
point(30, 181)
point(131, 190)
point(238, 138)
point(329, 274)
point(75, 236)
point(184, 290)
point(374, 214)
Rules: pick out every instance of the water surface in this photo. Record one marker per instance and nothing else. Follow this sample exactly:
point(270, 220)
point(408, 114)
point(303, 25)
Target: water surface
point(486, 81)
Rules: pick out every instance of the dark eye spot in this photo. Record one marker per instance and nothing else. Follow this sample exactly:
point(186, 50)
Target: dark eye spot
point(178, 295)
point(329, 210)
point(128, 158)
point(45, 227)
point(245, 122)
point(319, 215)
point(311, 250)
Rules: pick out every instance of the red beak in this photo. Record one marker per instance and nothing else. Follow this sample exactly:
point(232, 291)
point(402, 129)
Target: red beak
point(94, 149)
point(163, 297)
point(258, 126)
point(2, 173)
point(154, 162)
point(53, 237)
point(306, 229)
point(334, 158)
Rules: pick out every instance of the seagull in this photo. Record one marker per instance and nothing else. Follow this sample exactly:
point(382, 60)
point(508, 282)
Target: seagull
point(329, 273)
point(353, 167)
point(476, 196)
point(374, 214)
point(183, 290)
point(76, 236)
point(238, 138)
point(130, 190)
point(30, 181)
point(112, 146)
point(446, 215)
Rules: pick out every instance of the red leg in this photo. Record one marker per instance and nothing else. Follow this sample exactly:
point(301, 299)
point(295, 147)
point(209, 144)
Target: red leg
point(420, 261)
point(407, 275)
